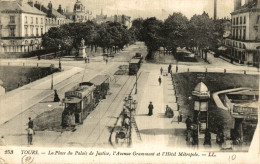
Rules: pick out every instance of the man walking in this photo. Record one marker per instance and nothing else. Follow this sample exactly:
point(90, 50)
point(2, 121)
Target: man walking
point(30, 123)
point(161, 70)
point(160, 80)
point(150, 107)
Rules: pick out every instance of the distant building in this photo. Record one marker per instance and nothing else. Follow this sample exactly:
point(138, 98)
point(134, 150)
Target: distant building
point(21, 27)
point(123, 19)
point(79, 14)
point(244, 43)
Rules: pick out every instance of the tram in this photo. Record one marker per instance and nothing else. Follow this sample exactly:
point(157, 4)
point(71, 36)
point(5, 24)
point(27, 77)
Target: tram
point(134, 66)
point(82, 99)
point(101, 83)
point(79, 102)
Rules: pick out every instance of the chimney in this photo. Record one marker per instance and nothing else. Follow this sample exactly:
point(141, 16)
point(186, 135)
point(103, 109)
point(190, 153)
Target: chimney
point(30, 2)
point(237, 4)
point(215, 9)
point(60, 9)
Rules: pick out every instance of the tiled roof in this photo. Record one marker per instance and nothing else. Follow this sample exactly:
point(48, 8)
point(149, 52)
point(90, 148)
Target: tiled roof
point(57, 14)
point(15, 6)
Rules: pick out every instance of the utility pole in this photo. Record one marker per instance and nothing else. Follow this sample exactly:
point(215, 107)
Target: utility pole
point(51, 81)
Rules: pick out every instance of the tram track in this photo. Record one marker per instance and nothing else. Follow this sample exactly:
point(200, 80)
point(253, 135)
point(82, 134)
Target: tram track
point(120, 101)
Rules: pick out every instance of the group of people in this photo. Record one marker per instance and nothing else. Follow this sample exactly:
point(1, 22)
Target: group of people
point(192, 135)
point(161, 71)
point(30, 133)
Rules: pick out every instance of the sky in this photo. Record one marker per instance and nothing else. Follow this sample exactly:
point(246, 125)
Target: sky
point(148, 8)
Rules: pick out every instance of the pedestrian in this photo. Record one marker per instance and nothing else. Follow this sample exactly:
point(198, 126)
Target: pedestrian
point(161, 70)
point(85, 59)
point(106, 61)
point(188, 123)
point(30, 123)
point(30, 133)
point(150, 107)
point(207, 138)
point(179, 117)
point(88, 59)
point(160, 80)
point(56, 96)
point(166, 110)
point(2, 141)
point(176, 68)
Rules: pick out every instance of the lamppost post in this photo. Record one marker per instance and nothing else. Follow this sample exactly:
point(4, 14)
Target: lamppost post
point(131, 105)
point(59, 58)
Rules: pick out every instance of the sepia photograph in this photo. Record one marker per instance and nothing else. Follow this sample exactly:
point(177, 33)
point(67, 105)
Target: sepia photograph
point(129, 81)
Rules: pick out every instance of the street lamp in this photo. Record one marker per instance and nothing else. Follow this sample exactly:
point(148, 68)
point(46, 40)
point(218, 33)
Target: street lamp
point(130, 104)
point(59, 58)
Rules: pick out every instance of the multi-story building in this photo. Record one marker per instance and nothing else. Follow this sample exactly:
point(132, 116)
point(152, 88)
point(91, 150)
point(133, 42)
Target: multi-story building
point(79, 14)
point(21, 27)
point(53, 17)
point(244, 43)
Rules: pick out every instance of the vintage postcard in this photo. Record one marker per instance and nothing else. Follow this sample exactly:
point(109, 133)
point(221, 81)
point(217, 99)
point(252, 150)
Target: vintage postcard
point(129, 81)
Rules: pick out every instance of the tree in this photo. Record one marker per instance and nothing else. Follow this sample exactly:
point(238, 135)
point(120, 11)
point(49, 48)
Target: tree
point(151, 35)
point(202, 29)
point(175, 31)
point(137, 25)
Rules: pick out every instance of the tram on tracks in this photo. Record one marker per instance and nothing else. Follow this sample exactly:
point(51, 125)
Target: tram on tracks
point(82, 99)
point(134, 66)
point(101, 83)
point(79, 102)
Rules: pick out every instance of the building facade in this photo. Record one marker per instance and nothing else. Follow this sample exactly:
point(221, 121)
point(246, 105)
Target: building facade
point(244, 43)
point(21, 27)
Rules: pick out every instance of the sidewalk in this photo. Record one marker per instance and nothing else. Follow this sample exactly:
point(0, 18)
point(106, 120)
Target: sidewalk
point(13, 103)
point(158, 130)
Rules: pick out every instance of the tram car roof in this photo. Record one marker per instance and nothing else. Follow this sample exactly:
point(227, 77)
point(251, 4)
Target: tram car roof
point(99, 79)
point(134, 61)
point(76, 94)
